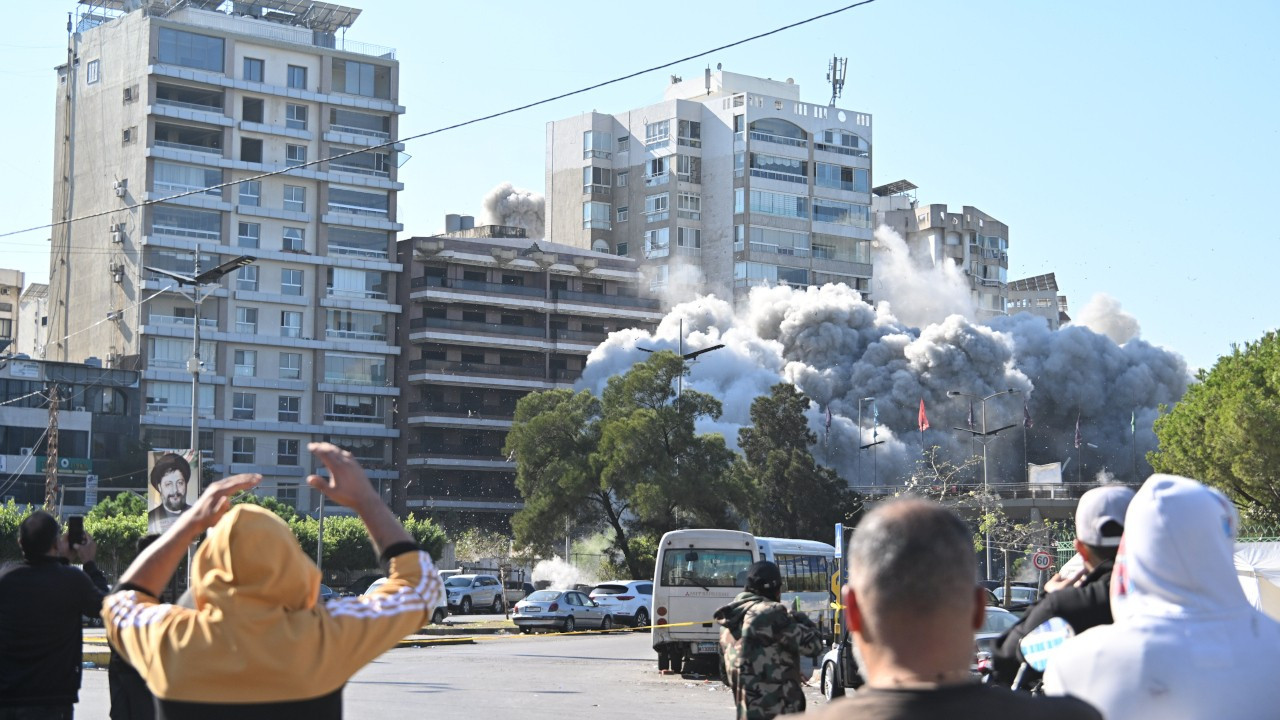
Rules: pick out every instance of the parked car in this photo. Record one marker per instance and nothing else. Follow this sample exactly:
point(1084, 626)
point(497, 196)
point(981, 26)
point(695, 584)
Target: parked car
point(466, 592)
point(630, 602)
point(997, 620)
point(516, 590)
point(1020, 597)
point(360, 585)
point(438, 615)
point(327, 593)
point(566, 610)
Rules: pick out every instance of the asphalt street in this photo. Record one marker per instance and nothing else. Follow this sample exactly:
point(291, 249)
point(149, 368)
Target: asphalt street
point(539, 676)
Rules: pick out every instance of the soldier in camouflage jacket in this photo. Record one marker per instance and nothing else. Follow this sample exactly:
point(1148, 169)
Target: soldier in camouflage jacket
point(761, 643)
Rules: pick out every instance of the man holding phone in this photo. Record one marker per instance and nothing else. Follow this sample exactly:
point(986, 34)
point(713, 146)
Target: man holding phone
point(42, 600)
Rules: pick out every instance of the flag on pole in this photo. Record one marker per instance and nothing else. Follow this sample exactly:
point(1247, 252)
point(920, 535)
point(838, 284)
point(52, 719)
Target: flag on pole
point(828, 417)
point(923, 419)
point(1133, 422)
point(1077, 430)
point(971, 415)
point(875, 421)
point(1026, 416)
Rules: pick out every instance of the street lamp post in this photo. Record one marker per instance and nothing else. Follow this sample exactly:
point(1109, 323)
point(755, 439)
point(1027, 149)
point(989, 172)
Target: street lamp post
point(984, 436)
point(861, 447)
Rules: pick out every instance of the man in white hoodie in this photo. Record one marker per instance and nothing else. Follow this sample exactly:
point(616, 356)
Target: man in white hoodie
point(1185, 642)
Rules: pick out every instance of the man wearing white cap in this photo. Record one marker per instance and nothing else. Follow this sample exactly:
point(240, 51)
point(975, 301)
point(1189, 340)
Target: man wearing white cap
point(1185, 643)
point(1082, 600)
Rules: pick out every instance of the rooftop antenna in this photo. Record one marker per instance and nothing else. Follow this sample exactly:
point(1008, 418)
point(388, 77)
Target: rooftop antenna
point(835, 75)
point(706, 78)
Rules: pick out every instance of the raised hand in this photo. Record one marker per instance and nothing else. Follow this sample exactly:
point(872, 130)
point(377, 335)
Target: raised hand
point(215, 501)
point(347, 483)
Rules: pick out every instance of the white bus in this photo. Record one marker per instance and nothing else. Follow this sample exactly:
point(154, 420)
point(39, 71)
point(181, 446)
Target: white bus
point(698, 571)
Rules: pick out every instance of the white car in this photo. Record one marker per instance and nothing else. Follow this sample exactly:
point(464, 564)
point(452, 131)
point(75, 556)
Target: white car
point(466, 592)
point(438, 615)
point(630, 602)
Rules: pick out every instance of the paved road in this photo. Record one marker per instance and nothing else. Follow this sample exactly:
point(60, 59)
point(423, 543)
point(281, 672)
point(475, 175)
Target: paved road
point(526, 677)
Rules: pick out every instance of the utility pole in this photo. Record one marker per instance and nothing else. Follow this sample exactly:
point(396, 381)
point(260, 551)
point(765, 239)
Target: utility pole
point(51, 453)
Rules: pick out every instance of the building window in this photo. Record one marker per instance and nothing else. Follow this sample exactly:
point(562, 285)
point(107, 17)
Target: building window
point(295, 116)
point(291, 281)
point(344, 407)
point(246, 362)
point(178, 178)
point(357, 325)
point(689, 168)
point(289, 409)
point(250, 150)
point(294, 239)
point(93, 72)
point(295, 198)
point(689, 238)
point(596, 144)
point(358, 123)
point(295, 155)
point(297, 77)
point(689, 206)
point(358, 202)
point(774, 167)
point(842, 178)
point(356, 283)
point(658, 133)
point(595, 216)
point(242, 405)
point(357, 78)
point(656, 207)
point(624, 143)
point(353, 369)
point(250, 235)
point(739, 204)
point(622, 213)
point(290, 321)
point(839, 213)
point(623, 249)
point(247, 319)
point(254, 69)
point(242, 450)
point(202, 52)
point(657, 243)
point(286, 452)
point(620, 178)
point(251, 193)
point(596, 179)
point(656, 171)
point(780, 204)
point(186, 222)
point(253, 109)
point(690, 133)
point(290, 366)
point(247, 278)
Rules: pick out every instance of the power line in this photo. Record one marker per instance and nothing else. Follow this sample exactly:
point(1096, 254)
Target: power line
point(447, 128)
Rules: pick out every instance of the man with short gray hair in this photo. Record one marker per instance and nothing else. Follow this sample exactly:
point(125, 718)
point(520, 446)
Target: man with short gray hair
point(913, 604)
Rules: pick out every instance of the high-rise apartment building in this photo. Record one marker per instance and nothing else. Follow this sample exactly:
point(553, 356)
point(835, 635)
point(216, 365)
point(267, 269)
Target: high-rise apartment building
point(491, 316)
point(1038, 295)
point(10, 291)
point(159, 103)
point(971, 239)
point(731, 181)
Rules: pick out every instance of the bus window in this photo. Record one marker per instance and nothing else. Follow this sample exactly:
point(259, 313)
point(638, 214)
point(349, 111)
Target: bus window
point(705, 567)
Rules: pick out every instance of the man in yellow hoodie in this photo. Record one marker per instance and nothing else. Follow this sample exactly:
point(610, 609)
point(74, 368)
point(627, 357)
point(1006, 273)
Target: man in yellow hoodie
point(258, 644)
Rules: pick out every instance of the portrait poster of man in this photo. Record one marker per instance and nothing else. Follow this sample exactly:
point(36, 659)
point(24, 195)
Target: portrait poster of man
point(174, 484)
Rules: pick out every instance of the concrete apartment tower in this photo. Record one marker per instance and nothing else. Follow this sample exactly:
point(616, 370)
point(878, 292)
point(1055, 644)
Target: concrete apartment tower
point(970, 238)
point(10, 292)
point(730, 182)
point(164, 97)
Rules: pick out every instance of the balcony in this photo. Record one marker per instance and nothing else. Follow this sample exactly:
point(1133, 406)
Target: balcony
point(352, 294)
point(376, 134)
point(181, 321)
point(479, 327)
point(353, 418)
point(780, 250)
point(601, 298)
point(463, 368)
point(476, 285)
point(655, 180)
point(357, 170)
point(172, 145)
point(458, 450)
point(437, 407)
point(779, 139)
point(579, 335)
point(357, 251)
point(784, 177)
point(370, 335)
point(341, 209)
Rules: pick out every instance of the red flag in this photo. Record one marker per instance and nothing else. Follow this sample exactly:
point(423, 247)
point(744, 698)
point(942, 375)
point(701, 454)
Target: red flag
point(924, 419)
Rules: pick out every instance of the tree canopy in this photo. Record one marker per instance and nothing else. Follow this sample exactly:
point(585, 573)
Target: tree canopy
point(791, 495)
point(629, 461)
point(1226, 430)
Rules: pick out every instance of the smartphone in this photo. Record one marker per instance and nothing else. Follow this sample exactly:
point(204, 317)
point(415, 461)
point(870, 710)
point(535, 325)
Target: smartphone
point(75, 530)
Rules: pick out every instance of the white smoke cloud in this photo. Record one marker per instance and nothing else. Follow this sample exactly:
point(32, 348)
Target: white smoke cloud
point(559, 575)
point(510, 205)
point(836, 349)
point(917, 291)
point(1103, 314)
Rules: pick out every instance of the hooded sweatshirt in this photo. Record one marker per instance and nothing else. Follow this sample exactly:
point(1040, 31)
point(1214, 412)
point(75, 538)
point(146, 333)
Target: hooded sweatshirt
point(257, 635)
point(761, 643)
point(1185, 642)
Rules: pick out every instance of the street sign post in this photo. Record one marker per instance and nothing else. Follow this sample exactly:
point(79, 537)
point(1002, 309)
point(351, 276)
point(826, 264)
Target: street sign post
point(1041, 560)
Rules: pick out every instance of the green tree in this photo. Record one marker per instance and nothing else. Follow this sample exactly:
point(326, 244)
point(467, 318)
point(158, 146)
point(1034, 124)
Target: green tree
point(11, 516)
point(117, 536)
point(1226, 430)
point(285, 511)
point(124, 503)
point(629, 462)
point(792, 496)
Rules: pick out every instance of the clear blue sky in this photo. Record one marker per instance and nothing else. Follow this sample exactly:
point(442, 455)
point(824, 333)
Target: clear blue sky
point(1133, 148)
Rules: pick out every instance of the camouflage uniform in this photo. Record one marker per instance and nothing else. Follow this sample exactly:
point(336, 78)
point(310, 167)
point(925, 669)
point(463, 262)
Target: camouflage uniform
point(761, 643)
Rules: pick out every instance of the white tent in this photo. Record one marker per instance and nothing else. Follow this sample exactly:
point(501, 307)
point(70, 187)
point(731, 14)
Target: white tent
point(1258, 567)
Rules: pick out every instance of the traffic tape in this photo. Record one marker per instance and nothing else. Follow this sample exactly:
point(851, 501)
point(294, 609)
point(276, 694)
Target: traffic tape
point(553, 633)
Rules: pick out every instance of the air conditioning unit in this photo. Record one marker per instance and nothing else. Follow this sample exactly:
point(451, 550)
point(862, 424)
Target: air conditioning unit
point(121, 187)
point(24, 451)
point(117, 233)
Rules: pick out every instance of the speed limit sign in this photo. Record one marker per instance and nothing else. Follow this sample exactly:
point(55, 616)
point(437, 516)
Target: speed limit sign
point(1041, 560)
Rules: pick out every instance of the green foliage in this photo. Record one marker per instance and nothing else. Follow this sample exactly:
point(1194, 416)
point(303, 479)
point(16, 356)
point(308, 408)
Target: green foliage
point(284, 511)
point(473, 545)
point(116, 535)
point(792, 496)
point(1225, 431)
point(628, 462)
point(11, 516)
point(427, 534)
point(125, 503)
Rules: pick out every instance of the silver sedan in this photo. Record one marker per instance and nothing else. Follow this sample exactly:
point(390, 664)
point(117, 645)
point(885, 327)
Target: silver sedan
point(565, 610)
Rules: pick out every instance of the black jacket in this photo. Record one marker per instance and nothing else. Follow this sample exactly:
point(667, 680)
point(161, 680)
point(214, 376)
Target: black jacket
point(1083, 607)
point(41, 605)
